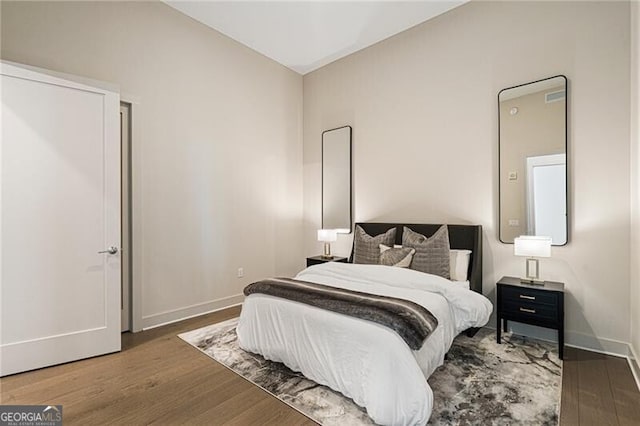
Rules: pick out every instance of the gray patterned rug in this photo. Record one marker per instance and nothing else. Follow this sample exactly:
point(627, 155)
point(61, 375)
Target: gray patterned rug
point(481, 382)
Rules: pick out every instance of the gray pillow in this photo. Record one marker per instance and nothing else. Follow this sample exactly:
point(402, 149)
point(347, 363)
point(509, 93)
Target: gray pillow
point(366, 249)
point(432, 254)
point(396, 256)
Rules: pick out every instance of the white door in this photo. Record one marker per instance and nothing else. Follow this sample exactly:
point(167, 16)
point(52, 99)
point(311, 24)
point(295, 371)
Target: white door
point(59, 207)
point(547, 197)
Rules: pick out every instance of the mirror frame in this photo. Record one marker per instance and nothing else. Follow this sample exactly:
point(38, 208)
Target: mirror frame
point(566, 150)
point(341, 230)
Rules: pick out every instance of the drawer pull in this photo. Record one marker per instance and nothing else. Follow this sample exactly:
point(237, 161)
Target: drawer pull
point(531, 311)
point(522, 296)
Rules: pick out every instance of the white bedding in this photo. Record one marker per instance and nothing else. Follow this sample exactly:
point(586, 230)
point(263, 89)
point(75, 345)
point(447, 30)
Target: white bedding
point(363, 360)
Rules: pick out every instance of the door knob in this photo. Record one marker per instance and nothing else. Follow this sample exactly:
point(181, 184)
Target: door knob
point(110, 250)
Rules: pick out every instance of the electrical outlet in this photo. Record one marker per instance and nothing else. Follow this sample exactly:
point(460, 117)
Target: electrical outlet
point(240, 272)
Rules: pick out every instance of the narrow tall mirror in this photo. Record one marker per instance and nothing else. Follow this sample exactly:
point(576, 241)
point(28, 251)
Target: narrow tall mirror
point(533, 160)
point(336, 179)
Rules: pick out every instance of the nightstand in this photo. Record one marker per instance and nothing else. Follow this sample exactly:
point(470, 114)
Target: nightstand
point(541, 305)
point(319, 259)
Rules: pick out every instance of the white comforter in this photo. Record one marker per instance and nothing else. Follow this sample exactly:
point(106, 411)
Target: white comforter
point(363, 360)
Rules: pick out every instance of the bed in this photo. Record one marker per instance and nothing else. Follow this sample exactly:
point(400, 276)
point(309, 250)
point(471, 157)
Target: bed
point(363, 360)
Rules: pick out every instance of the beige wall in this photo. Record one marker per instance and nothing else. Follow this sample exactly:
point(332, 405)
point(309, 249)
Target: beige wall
point(218, 165)
point(218, 160)
point(424, 114)
point(635, 179)
point(537, 129)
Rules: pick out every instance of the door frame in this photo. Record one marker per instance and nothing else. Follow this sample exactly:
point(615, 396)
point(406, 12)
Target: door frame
point(125, 214)
point(135, 141)
point(135, 206)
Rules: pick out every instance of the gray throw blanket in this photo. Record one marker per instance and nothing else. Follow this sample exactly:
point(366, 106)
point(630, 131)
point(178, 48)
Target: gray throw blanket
point(412, 322)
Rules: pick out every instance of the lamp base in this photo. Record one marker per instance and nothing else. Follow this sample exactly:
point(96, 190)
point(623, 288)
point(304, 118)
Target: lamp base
point(327, 251)
point(533, 270)
point(532, 282)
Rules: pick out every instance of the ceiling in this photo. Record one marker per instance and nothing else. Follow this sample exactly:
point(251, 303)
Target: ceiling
point(306, 35)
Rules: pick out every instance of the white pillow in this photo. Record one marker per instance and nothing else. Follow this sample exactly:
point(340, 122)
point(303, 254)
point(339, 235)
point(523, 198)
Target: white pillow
point(459, 261)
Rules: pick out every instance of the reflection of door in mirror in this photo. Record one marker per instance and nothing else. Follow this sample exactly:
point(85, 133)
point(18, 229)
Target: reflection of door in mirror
point(336, 179)
point(546, 196)
point(532, 148)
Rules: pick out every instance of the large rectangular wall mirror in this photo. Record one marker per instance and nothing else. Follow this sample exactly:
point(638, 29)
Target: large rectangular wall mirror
point(533, 160)
point(336, 179)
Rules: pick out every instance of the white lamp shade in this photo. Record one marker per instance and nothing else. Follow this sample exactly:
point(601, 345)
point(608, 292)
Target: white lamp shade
point(327, 235)
point(532, 246)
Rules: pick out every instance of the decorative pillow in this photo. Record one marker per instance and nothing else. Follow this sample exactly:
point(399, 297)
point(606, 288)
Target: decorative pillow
point(366, 248)
point(432, 254)
point(459, 260)
point(396, 256)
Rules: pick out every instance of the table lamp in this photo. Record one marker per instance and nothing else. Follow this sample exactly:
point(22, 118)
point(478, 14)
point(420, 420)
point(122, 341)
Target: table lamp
point(532, 247)
point(327, 236)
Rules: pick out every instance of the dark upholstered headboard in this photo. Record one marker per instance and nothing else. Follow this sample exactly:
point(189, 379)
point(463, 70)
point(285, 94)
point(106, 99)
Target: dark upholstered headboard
point(460, 237)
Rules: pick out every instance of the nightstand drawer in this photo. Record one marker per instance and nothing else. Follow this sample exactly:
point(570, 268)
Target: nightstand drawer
point(531, 310)
point(529, 295)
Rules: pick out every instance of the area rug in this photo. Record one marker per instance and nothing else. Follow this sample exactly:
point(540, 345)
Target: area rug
point(481, 382)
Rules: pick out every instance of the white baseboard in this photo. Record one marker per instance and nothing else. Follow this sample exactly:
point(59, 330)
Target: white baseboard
point(175, 315)
point(597, 344)
point(573, 339)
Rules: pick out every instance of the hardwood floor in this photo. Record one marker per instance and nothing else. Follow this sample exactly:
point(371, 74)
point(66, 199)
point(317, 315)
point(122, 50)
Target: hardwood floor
point(159, 379)
point(598, 390)
point(156, 379)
